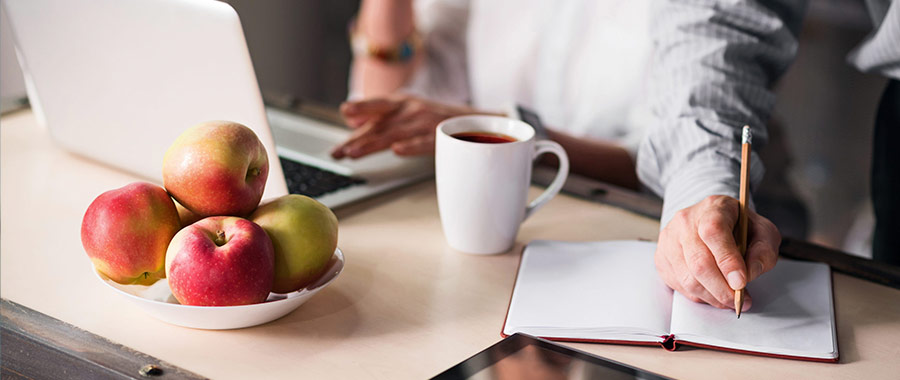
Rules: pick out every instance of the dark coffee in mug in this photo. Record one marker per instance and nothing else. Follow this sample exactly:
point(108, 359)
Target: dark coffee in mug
point(484, 137)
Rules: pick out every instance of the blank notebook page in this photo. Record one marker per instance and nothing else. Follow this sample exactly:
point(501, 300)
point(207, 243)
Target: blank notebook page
point(792, 314)
point(599, 290)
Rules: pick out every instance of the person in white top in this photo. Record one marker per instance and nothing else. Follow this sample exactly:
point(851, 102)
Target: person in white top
point(579, 65)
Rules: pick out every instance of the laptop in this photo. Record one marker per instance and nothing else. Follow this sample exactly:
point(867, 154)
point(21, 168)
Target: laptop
point(117, 81)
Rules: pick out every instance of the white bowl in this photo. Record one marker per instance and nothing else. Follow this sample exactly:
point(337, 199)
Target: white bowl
point(158, 301)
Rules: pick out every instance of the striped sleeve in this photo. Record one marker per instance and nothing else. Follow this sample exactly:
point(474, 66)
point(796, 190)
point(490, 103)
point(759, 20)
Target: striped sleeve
point(880, 52)
point(712, 65)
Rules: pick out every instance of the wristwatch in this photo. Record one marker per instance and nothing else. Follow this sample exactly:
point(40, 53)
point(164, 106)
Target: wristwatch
point(517, 111)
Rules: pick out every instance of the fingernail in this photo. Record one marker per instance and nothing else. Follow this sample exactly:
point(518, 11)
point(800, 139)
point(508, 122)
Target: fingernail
point(735, 280)
point(756, 269)
point(747, 303)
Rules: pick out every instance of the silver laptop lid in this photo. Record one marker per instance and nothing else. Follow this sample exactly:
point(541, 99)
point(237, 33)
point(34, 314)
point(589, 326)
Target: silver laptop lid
point(118, 81)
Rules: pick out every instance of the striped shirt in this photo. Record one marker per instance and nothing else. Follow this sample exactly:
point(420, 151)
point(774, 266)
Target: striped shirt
point(711, 71)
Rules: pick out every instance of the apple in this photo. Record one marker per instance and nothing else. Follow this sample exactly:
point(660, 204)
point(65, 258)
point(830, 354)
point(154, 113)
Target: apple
point(126, 231)
point(220, 261)
point(304, 233)
point(216, 168)
point(187, 217)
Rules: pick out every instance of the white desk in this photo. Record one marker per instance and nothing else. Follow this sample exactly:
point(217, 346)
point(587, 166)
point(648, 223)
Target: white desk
point(406, 306)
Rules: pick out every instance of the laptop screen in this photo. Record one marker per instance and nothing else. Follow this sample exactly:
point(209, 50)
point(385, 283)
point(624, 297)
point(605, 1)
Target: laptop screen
point(300, 49)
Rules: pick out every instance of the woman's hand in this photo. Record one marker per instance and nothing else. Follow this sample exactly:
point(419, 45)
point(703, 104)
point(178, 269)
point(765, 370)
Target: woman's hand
point(403, 123)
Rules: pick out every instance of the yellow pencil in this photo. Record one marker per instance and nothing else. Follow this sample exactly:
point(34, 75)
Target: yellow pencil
point(746, 137)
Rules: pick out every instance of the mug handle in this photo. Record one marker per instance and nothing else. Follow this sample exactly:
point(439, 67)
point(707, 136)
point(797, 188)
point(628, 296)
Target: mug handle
point(548, 146)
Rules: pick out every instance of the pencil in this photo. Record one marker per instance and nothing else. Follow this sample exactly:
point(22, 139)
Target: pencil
point(746, 137)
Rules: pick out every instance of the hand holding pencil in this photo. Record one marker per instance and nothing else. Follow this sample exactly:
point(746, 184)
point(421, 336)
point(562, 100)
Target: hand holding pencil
point(699, 255)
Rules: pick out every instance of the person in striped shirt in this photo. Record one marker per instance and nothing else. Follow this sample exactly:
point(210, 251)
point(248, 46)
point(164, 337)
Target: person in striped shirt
point(712, 68)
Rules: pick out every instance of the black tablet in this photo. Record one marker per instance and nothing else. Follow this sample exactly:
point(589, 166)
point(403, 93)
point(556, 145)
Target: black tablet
point(522, 356)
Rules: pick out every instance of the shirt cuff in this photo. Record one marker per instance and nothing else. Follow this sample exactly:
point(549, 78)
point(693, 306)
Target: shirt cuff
point(695, 184)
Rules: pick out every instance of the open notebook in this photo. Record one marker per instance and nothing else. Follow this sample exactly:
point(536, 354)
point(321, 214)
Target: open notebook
point(610, 292)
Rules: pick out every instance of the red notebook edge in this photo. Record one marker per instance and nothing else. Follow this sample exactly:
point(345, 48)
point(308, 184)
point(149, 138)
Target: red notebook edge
point(669, 343)
point(759, 353)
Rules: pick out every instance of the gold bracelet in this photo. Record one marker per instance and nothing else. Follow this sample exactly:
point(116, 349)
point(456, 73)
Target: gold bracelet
point(400, 53)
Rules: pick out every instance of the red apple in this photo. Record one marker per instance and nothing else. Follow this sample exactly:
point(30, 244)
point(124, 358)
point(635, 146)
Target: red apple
point(126, 231)
point(304, 233)
point(220, 261)
point(216, 168)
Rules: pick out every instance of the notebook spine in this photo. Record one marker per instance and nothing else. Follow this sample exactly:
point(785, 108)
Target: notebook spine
point(668, 342)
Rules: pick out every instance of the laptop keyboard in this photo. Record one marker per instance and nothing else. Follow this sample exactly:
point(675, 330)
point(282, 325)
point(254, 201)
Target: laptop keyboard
point(314, 182)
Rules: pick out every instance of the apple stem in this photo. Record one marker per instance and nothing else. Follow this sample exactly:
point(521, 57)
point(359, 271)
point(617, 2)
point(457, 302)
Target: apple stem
point(220, 238)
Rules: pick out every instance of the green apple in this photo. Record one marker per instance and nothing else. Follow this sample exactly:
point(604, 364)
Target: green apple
point(304, 234)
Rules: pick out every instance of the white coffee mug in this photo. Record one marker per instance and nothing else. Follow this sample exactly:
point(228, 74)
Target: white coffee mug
point(482, 188)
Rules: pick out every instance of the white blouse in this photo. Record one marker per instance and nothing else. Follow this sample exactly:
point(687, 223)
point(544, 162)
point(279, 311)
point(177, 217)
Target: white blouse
point(580, 64)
